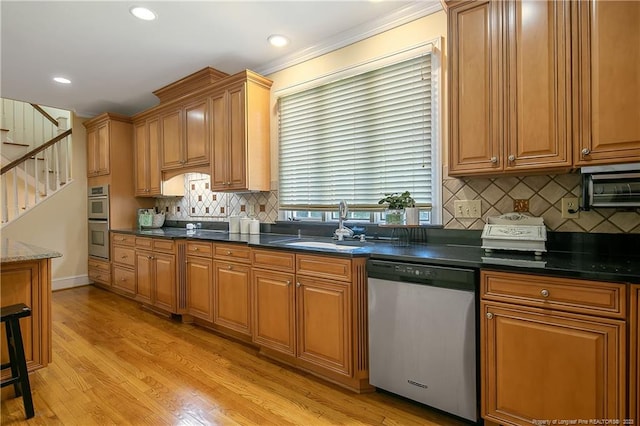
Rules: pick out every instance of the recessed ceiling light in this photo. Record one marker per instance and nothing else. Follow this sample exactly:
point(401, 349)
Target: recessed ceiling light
point(278, 40)
point(61, 80)
point(143, 13)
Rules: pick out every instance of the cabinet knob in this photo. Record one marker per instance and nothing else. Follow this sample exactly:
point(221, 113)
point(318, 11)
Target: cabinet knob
point(544, 293)
point(494, 160)
point(512, 158)
point(298, 284)
point(124, 256)
point(123, 279)
point(288, 283)
point(195, 249)
point(149, 257)
point(228, 253)
point(489, 315)
point(585, 151)
point(229, 267)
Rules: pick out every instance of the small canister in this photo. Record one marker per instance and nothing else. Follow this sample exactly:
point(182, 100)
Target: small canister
point(254, 226)
point(244, 225)
point(234, 224)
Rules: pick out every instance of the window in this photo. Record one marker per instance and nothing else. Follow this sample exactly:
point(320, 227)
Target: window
point(359, 137)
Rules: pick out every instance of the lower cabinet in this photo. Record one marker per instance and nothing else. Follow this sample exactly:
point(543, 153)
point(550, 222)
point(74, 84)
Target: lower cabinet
point(310, 311)
point(199, 280)
point(543, 356)
point(123, 256)
point(100, 272)
point(232, 296)
point(634, 361)
point(156, 273)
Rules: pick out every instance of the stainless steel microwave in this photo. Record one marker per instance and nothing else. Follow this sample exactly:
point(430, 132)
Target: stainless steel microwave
point(616, 186)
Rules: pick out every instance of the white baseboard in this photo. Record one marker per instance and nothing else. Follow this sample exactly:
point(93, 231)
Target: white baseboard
point(70, 282)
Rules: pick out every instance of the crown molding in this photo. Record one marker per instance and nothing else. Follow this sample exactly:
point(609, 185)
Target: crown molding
point(400, 17)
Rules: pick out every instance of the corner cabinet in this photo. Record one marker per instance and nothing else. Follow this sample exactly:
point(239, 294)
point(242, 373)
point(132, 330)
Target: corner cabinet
point(606, 74)
point(551, 348)
point(509, 81)
point(240, 155)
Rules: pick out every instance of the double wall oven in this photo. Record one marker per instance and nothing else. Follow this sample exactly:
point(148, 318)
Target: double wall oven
point(98, 216)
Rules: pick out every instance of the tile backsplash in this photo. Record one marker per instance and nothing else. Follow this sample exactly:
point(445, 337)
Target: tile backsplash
point(200, 204)
point(497, 196)
point(544, 194)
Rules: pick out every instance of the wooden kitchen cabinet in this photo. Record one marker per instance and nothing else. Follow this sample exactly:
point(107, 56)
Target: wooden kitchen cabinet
point(324, 323)
point(510, 87)
point(606, 75)
point(99, 271)
point(98, 161)
point(123, 257)
point(156, 273)
point(232, 287)
point(634, 359)
point(551, 348)
point(148, 177)
point(199, 280)
point(240, 158)
point(274, 307)
point(185, 136)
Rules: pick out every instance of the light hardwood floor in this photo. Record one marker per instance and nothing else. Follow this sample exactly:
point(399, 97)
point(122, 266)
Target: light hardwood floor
point(114, 363)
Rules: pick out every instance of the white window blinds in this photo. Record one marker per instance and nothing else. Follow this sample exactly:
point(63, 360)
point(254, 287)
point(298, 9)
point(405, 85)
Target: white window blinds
point(358, 138)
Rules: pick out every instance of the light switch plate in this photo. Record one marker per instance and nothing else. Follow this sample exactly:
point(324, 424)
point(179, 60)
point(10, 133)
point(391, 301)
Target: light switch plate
point(467, 208)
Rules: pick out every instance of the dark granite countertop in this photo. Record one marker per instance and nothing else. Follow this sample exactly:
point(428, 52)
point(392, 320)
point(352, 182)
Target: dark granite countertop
point(594, 265)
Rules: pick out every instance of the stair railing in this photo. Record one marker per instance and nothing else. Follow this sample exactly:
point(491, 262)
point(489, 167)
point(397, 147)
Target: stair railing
point(28, 187)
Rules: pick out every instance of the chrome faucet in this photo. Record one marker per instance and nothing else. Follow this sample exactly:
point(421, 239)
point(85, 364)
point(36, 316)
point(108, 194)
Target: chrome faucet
point(342, 231)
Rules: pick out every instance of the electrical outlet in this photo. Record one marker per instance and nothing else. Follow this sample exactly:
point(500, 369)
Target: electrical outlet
point(570, 208)
point(467, 208)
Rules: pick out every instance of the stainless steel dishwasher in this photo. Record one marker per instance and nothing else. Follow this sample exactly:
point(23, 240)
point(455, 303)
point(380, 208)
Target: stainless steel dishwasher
point(422, 334)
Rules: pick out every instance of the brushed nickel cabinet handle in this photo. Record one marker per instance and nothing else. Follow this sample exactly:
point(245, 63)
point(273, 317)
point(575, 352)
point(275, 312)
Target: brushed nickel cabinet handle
point(494, 160)
point(288, 283)
point(298, 284)
point(228, 253)
point(512, 158)
point(544, 293)
point(585, 151)
point(230, 267)
point(489, 315)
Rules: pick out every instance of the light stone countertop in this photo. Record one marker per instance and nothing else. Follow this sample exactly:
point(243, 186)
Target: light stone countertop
point(17, 251)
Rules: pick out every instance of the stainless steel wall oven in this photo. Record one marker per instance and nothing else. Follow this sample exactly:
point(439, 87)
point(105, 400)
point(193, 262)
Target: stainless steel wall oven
point(98, 219)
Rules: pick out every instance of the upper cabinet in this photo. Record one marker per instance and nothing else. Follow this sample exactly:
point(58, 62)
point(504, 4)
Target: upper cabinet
point(146, 138)
point(185, 136)
point(510, 87)
point(240, 134)
point(106, 133)
point(606, 79)
point(525, 78)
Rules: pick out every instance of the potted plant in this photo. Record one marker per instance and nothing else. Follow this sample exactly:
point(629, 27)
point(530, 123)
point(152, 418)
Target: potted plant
point(396, 204)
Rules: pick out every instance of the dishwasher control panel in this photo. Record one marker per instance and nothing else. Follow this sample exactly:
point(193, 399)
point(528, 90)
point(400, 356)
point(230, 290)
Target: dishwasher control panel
point(441, 276)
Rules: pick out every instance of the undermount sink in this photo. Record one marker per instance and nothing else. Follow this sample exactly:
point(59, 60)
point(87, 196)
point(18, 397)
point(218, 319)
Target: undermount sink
point(318, 244)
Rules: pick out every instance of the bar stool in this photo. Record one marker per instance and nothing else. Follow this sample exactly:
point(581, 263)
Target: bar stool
point(19, 376)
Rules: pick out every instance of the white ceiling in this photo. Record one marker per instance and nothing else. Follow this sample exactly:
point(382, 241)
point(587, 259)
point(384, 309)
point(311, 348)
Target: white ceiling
point(115, 61)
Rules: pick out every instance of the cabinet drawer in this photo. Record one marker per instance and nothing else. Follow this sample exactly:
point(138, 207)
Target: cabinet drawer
point(273, 259)
point(123, 239)
point(581, 296)
point(333, 268)
point(163, 245)
point(144, 243)
point(235, 252)
point(124, 256)
point(124, 279)
point(98, 265)
point(100, 276)
point(199, 249)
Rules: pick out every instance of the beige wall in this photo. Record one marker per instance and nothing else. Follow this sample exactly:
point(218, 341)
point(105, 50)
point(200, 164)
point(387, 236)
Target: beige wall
point(392, 41)
point(61, 222)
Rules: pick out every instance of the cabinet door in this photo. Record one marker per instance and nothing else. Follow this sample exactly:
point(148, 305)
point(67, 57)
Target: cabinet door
point(164, 284)
point(153, 169)
point(196, 133)
point(200, 287)
point(537, 364)
point(231, 297)
point(103, 162)
point(634, 359)
point(324, 324)
point(144, 276)
point(274, 310)
point(607, 82)
point(141, 161)
point(475, 117)
point(219, 141)
point(92, 152)
point(172, 147)
point(237, 138)
point(538, 93)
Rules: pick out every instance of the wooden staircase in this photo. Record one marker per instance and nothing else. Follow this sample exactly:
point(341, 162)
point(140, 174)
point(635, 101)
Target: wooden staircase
point(32, 171)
